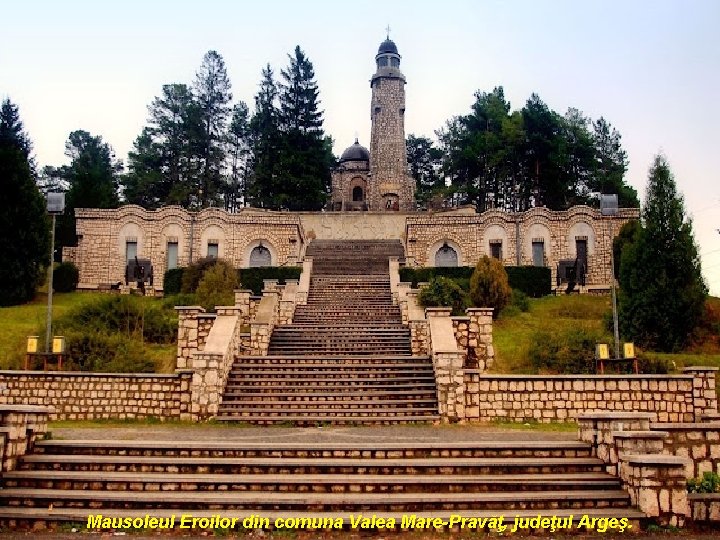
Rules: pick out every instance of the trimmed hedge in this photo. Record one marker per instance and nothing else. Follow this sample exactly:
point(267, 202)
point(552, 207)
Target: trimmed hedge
point(172, 282)
point(250, 278)
point(534, 281)
point(65, 277)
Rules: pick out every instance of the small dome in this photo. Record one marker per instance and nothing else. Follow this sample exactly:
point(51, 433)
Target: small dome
point(388, 46)
point(356, 152)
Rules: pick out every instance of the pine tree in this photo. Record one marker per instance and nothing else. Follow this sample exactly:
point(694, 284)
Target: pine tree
point(265, 140)
point(24, 225)
point(662, 290)
point(92, 179)
point(212, 95)
point(305, 153)
point(240, 154)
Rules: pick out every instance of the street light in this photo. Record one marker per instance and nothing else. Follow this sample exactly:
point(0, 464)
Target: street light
point(55, 206)
point(609, 207)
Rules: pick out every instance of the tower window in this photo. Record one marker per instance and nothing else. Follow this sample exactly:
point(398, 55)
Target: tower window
point(382, 61)
point(395, 62)
point(377, 110)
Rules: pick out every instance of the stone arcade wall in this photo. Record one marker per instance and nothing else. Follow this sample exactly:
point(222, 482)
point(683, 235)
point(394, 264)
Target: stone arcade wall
point(92, 396)
point(471, 234)
point(101, 257)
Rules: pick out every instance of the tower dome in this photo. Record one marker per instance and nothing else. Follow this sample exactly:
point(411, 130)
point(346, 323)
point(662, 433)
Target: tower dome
point(388, 46)
point(355, 152)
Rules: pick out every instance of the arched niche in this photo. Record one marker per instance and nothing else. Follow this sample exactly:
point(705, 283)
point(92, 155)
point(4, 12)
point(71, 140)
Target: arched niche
point(493, 235)
point(130, 233)
point(581, 230)
point(445, 253)
point(537, 233)
point(260, 252)
point(212, 242)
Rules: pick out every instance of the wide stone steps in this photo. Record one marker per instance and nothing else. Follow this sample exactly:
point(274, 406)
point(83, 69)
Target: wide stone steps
point(315, 483)
point(345, 502)
point(28, 516)
point(376, 449)
point(243, 363)
point(64, 479)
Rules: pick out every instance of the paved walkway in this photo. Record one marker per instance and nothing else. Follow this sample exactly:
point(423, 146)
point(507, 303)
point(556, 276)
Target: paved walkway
point(453, 433)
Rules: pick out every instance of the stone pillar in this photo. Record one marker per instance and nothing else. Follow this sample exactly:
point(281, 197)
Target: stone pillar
point(394, 270)
point(20, 427)
point(481, 352)
point(460, 327)
point(419, 337)
point(187, 334)
point(304, 282)
point(705, 399)
point(658, 487)
point(242, 301)
point(598, 430)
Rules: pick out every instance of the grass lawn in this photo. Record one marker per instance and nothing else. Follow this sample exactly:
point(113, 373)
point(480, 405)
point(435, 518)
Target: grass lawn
point(513, 333)
point(18, 322)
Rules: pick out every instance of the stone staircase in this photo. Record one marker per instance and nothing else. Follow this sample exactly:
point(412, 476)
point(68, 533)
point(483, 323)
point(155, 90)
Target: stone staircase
point(346, 357)
point(65, 480)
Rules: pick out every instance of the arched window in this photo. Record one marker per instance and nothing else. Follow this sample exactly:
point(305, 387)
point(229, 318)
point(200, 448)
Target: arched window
point(260, 256)
point(446, 256)
point(357, 194)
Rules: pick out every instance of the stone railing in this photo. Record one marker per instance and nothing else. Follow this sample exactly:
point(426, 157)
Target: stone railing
point(193, 328)
point(303, 289)
point(447, 365)
point(91, 396)
point(211, 366)
point(20, 427)
point(288, 301)
point(262, 325)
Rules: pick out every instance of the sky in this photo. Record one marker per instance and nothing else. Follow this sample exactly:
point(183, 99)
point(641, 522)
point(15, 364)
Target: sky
point(651, 68)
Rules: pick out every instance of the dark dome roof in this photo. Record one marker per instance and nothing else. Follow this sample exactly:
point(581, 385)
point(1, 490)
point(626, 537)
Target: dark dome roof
point(356, 152)
point(388, 46)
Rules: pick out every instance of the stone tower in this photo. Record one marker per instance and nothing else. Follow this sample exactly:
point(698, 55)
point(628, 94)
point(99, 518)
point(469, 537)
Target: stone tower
point(391, 187)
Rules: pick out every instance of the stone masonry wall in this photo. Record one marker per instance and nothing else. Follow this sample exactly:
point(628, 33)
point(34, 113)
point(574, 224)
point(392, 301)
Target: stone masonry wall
point(90, 396)
point(552, 398)
point(102, 236)
point(471, 235)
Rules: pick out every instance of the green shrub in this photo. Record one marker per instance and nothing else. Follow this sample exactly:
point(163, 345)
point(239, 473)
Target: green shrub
point(217, 285)
point(192, 274)
point(93, 350)
point(489, 285)
point(708, 483)
point(172, 281)
point(181, 299)
point(425, 274)
point(519, 300)
point(444, 292)
point(534, 281)
point(252, 278)
point(65, 277)
point(123, 314)
point(570, 351)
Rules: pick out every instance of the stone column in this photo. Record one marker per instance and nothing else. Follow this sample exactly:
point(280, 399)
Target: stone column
point(21, 426)
point(658, 487)
point(187, 334)
point(705, 399)
point(242, 301)
point(481, 352)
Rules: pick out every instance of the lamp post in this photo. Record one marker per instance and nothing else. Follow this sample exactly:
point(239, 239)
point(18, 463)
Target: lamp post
point(609, 207)
point(55, 206)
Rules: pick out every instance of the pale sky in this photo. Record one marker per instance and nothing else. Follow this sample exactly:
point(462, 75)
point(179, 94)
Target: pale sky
point(651, 68)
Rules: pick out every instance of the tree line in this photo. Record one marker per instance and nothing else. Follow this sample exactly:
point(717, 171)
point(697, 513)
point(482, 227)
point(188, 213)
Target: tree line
point(494, 157)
